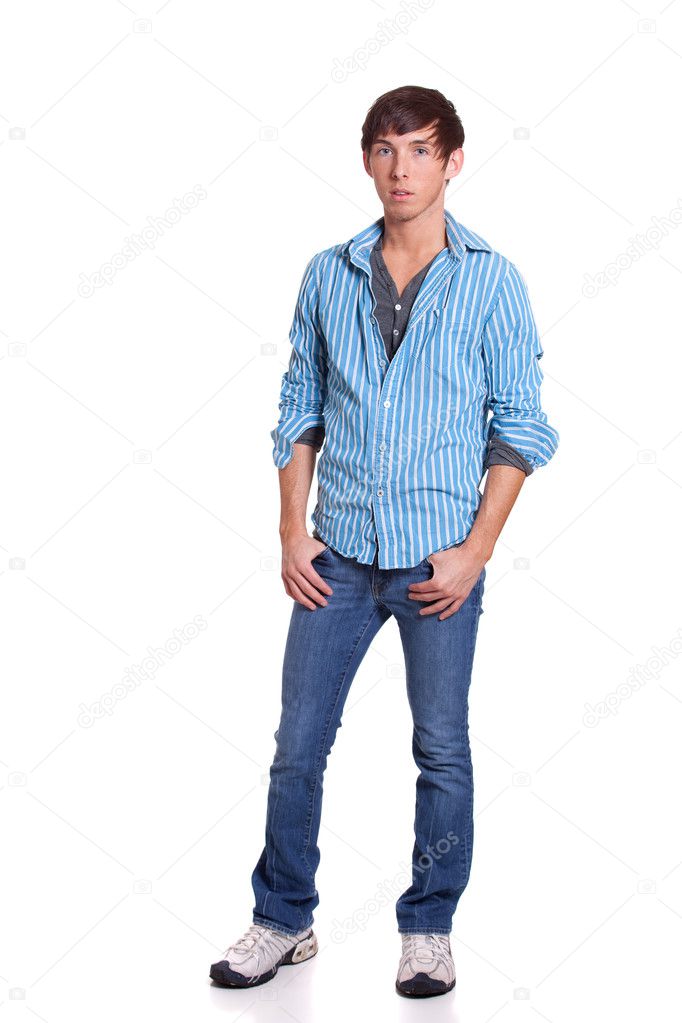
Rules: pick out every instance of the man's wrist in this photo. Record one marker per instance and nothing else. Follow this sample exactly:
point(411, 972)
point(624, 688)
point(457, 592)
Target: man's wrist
point(288, 531)
point(480, 546)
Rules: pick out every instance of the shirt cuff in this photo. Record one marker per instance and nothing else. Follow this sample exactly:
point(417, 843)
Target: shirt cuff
point(314, 436)
point(499, 452)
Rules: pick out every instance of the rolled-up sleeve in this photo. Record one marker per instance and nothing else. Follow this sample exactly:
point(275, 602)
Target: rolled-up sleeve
point(303, 390)
point(511, 354)
point(500, 453)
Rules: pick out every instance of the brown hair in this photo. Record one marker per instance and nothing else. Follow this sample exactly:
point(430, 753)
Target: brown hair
point(409, 108)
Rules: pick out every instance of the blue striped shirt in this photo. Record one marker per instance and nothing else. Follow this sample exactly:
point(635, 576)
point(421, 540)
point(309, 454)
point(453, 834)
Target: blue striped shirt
point(405, 440)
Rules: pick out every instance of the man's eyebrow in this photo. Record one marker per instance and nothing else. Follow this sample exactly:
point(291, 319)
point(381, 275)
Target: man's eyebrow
point(414, 142)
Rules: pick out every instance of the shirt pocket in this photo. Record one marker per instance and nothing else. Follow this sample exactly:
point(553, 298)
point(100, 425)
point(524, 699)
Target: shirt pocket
point(444, 344)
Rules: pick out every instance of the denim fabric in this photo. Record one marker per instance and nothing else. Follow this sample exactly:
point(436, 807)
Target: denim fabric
point(323, 651)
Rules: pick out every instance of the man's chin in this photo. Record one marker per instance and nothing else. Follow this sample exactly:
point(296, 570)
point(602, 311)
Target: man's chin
point(400, 213)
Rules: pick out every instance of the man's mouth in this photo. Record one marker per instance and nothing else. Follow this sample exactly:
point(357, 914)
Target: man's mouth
point(400, 193)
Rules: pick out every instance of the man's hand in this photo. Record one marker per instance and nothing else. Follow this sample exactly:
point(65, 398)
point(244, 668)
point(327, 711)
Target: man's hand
point(301, 581)
point(455, 573)
point(457, 568)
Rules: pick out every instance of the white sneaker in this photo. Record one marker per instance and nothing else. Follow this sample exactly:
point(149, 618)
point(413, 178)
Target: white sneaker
point(426, 966)
point(258, 954)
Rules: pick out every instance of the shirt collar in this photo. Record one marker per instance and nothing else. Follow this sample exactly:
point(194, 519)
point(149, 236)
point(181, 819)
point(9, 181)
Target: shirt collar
point(459, 238)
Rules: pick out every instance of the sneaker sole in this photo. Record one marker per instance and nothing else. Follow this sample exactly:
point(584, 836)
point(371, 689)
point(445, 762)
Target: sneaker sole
point(226, 977)
point(422, 987)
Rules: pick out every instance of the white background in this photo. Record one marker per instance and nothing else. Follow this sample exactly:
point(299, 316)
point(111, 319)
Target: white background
point(138, 492)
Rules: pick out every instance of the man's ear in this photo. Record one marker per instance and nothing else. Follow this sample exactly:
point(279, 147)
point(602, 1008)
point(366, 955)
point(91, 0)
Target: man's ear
point(365, 161)
point(454, 164)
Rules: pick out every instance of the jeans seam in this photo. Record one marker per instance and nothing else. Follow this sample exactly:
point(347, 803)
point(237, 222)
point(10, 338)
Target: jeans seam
point(417, 930)
point(467, 844)
point(273, 925)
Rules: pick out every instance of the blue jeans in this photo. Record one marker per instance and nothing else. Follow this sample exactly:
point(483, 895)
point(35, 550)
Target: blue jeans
point(323, 651)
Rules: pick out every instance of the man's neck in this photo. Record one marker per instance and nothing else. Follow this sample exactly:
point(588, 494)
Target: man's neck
point(417, 239)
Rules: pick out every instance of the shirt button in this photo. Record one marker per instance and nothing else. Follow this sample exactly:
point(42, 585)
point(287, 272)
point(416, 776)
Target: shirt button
point(396, 332)
point(382, 447)
point(398, 306)
point(387, 404)
point(380, 493)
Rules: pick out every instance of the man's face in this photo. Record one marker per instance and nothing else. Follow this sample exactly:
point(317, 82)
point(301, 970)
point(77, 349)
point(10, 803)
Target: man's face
point(409, 163)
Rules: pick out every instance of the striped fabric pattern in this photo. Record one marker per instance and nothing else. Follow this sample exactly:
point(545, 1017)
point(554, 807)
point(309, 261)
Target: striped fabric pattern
point(400, 469)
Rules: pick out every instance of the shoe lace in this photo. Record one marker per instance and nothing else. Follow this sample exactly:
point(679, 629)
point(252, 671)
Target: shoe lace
point(258, 935)
point(427, 948)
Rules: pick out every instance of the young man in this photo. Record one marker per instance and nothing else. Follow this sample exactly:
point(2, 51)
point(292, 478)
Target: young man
point(404, 338)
